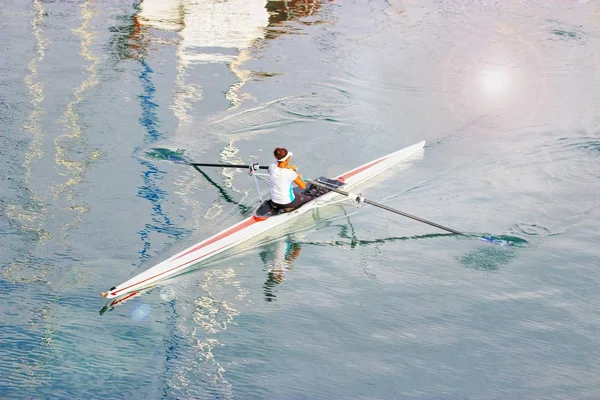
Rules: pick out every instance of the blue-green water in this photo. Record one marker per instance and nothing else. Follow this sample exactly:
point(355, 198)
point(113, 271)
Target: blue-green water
point(358, 304)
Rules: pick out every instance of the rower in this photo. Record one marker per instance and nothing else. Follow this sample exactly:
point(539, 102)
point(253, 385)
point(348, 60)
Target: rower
point(281, 176)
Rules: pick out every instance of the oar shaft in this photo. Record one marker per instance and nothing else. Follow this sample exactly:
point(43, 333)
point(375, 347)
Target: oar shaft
point(384, 207)
point(226, 165)
point(445, 228)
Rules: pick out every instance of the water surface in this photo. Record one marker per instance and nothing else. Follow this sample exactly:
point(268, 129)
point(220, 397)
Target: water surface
point(353, 303)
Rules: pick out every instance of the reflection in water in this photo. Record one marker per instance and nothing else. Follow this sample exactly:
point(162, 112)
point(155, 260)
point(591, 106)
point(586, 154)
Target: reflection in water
point(199, 313)
point(70, 145)
point(218, 32)
point(152, 176)
point(289, 109)
point(128, 41)
point(31, 216)
point(209, 32)
point(282, 11)
point(137, 40)
point(200, 320)
point(38, 214)
point(278, 258)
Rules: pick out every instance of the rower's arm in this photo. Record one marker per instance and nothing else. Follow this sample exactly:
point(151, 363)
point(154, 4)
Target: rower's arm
point(298, 181)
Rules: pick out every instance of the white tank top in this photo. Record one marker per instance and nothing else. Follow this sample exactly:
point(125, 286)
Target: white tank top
point(281, 184)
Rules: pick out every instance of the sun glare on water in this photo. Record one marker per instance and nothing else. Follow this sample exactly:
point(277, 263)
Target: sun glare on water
point(495, 80)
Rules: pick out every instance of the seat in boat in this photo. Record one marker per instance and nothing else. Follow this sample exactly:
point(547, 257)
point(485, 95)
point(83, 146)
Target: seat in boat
point(269, 209)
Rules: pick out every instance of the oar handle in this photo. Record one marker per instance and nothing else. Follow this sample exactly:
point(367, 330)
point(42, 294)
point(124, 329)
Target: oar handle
point(227, 165)
point(384, 207)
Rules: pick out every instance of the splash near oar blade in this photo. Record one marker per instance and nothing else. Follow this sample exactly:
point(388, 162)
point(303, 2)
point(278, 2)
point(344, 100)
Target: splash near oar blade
point(492, 239)
point(160, 153)
point(504, 240)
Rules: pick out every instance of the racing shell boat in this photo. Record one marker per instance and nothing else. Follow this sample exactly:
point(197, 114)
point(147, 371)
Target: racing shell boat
point(264, 219)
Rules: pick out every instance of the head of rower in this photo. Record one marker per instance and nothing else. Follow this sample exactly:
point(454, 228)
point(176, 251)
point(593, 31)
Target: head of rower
point(283, 157)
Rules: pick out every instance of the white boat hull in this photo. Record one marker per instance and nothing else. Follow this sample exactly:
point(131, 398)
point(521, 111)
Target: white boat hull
point(252, 227)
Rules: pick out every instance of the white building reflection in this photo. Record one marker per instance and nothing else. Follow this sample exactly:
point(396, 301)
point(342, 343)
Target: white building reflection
point(209, 32)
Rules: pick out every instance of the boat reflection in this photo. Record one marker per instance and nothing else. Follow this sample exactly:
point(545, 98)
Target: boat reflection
point(278, 258)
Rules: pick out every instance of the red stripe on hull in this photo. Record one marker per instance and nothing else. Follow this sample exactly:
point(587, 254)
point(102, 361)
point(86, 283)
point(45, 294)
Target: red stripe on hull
point(234, 229)
point(129, 296)
point(359, 170)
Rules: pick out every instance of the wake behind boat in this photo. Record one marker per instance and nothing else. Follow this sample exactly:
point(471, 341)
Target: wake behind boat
point(266, 217)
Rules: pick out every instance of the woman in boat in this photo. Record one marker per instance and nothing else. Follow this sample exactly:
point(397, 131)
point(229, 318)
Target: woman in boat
point(282, 175)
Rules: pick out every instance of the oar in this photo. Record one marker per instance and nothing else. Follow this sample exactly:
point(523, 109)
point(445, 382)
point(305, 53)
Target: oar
point(194, 164)
point(224, 195)
point(383, 206)
point(222, 191)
